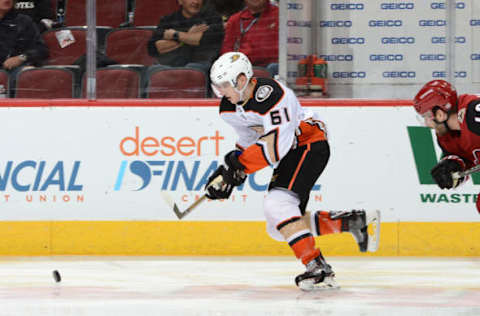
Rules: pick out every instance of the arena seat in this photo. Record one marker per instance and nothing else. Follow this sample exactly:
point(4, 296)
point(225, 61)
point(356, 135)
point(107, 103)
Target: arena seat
point(149, 12)
point(4, 80)
point(261, 72)
point(49, 82)
point(109, 12)
point(178, 82)
point(116, 82)
point(129, 45)
point(69, 54)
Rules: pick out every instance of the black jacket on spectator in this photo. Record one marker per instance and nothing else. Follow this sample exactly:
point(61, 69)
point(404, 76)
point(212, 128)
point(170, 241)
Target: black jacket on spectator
point(210, 43)
point(37, 10)
point(19, 35)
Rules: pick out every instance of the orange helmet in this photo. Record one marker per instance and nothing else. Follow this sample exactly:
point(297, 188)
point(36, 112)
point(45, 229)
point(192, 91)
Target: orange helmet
point(435, 93)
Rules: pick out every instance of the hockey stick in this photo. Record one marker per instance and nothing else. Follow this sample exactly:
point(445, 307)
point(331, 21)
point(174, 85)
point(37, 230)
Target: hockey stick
point(460, 174)
point(217, 181)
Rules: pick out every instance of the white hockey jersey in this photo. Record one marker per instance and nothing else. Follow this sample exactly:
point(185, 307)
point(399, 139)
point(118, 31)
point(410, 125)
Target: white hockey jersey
point(270, 124)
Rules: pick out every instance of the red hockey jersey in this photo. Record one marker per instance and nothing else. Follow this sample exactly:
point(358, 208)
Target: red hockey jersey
point(466, 142)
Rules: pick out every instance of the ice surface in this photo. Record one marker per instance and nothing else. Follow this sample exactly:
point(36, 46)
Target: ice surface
point(236, 286)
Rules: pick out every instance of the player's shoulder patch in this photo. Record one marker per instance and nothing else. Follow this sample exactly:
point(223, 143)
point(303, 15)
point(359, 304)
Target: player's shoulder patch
point(267, 94)
point(472, 116)
point(263, 92)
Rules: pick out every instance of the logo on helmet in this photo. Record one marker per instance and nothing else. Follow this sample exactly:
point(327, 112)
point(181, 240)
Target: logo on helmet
point(235, 57)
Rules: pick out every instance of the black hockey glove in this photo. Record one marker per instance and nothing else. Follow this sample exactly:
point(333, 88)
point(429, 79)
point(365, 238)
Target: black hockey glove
point(235, 173)
point(221, 190)
point(442, 172)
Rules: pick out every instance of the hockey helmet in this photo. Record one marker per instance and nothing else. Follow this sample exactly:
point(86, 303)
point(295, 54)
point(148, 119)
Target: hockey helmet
point(435, 93)
point(227, 68)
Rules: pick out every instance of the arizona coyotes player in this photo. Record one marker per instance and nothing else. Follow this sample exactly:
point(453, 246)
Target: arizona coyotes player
point(456, 121)
point(275, 130)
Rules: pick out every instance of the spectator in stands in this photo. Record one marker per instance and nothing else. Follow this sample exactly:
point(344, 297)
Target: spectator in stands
point(254, 32)
point(190, 37)
point(20, 39)
point(39, 10)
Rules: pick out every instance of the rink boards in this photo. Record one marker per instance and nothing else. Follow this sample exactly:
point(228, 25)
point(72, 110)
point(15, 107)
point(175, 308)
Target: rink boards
point(84, 177)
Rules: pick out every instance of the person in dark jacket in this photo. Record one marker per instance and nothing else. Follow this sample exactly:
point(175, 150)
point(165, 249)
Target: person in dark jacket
point(20, 39)
point(191, 36)
point(39, 10)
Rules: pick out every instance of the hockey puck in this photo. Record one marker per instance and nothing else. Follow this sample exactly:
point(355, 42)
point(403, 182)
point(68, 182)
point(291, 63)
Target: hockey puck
point(56, 276)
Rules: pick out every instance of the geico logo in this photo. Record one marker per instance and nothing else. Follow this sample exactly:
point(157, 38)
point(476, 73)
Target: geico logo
point(474, 22)
point(349, 74)
point(295, 6)
point(399, 74)
point(432, 22)
point(296, 57)
point(336, 23)
point(386, 57)
point(397, 6)
point(348, 40)
point(295, 40)
point(299, 23)
point(442, 5)
point(25, 5)
point(433, 57)
point(443, 74)
point(347, 6)
point(385, 23)
point(398, 40)
point(337, 57)
point(442, 40)
point(475, 56)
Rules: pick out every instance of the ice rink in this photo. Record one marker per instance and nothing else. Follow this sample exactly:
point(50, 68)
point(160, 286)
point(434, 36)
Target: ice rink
point(236, 286)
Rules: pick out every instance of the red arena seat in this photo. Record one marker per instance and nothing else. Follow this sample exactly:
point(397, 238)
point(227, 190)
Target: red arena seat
point(129, 46)
point(4, 80)
point(149, 12)
point(176, 83)
point(116, 82)
point(50, 82)
point(69, 54)
point(109, 12)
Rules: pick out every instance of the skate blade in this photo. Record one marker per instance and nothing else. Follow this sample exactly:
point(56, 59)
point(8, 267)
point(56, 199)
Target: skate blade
point(328, 283)
point(373, 222)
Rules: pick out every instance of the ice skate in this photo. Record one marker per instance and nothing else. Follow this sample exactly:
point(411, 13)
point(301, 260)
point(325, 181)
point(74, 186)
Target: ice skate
point(319, 275)
point(357, 223)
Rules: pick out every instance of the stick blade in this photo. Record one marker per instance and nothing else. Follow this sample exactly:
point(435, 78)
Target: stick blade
point(168, 199)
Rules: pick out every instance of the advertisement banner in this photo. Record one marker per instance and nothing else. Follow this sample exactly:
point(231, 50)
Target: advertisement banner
point(112, 163)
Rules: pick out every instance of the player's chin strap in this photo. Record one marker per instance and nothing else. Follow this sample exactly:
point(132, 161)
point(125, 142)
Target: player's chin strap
point(241, 91)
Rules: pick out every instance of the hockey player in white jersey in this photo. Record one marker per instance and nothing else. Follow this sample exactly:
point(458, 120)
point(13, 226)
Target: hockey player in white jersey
point(275, 130)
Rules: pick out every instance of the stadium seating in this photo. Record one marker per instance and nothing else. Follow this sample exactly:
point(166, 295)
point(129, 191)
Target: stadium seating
point(110, 13)
point(50, 82)
point(149, 12)
point(179, 82)
point(69, 54)
point(261, 72)
point(4, 80)
point(129, 46)
point(116, 82)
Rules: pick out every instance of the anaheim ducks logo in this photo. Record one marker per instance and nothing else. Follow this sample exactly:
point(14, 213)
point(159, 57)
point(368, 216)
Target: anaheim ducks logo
point(235, 57)
point(263, 93)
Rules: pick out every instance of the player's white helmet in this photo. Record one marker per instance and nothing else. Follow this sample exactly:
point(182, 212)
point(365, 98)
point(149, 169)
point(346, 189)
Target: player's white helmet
point(227, 68)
